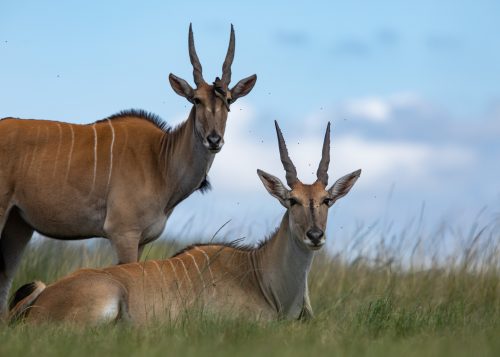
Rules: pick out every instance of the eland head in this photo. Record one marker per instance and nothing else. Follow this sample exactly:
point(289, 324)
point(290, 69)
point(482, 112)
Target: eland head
point(212, 102)
point(307, 204)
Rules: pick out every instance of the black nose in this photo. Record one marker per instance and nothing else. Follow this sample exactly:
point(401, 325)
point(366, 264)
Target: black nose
point(314, 234)
point(214, 139)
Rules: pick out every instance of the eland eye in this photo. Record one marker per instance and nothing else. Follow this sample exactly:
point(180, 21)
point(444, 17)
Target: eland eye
point(328, 201)
point(229, 100)
point(197, 101)
point(292, 201)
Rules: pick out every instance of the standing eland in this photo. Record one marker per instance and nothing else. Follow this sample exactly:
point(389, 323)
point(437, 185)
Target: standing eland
point(267, 282)
point(118, 178)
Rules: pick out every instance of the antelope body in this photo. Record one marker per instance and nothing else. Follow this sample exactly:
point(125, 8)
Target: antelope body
point(118, 178)
point(267, 282)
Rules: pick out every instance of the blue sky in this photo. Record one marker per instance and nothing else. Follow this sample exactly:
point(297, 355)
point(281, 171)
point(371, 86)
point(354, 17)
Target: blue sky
point(411, 89)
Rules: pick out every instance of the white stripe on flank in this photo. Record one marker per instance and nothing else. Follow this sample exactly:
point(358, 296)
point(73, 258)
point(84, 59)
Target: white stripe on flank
point(176, 281)
point(163, 283)
point(197, 268)
point(159, 270)
point(123, 268)
point(208, 264)
point(142, 266)
point(42, 154)
point(111, 151)
point(58, 150)
point(34, 148)
point(25, 156)
point(70, 152)
point(25, 160)
point(175, 273)
point(157, 265)
point(186, 271)
point(95, 157)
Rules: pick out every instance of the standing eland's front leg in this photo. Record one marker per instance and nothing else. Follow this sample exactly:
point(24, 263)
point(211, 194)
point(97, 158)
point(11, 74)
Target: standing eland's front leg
point(15, 235)
point(124, 237)
point(126, 245)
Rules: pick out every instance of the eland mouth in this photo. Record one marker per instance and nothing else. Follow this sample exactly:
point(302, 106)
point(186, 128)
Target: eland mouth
point(314, 246)
point(214, 142)
point(214, 150)
point(315, 238)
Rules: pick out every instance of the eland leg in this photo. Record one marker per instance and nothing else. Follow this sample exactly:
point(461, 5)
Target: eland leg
point(15, 236)
point(126, 246)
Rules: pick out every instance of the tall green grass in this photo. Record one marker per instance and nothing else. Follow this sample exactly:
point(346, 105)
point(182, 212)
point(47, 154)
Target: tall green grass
point(391, 299)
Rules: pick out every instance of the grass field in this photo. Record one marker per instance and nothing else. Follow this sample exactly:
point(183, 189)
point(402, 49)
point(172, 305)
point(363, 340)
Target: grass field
point(380, 305)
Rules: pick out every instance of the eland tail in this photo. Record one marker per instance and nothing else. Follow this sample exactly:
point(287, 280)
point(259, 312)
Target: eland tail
point(23, 299)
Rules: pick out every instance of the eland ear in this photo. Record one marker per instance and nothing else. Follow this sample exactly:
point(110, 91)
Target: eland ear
point(274, 186)
point(243, 87)
point(181, 87)
point(343, 185)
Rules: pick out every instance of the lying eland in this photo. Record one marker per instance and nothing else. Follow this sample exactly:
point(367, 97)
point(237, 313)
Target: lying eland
point(118, 178)
point(267, 282)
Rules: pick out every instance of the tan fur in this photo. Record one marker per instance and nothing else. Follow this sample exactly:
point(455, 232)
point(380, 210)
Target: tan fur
point(118, 178)
point(154, 290)
point(268, 282)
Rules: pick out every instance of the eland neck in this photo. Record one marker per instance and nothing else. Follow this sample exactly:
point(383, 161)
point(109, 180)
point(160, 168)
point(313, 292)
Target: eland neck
point(184, 160)
point(282, 267)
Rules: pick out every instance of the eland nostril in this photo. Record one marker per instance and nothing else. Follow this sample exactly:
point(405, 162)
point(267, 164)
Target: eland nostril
point(315, 234)
point(214, 139)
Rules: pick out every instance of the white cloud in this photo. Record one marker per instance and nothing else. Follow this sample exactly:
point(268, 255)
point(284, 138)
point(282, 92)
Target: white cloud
point(420, 170)
point(373, 109)
point(381, 109)
point(402, 161)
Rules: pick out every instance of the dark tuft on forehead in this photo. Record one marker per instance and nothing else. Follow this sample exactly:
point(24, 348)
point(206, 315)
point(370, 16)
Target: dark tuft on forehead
point(219, 86)
point(311, 208)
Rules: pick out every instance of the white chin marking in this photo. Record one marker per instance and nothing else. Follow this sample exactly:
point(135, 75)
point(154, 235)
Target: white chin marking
point(312, 246)
point(211, 149)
